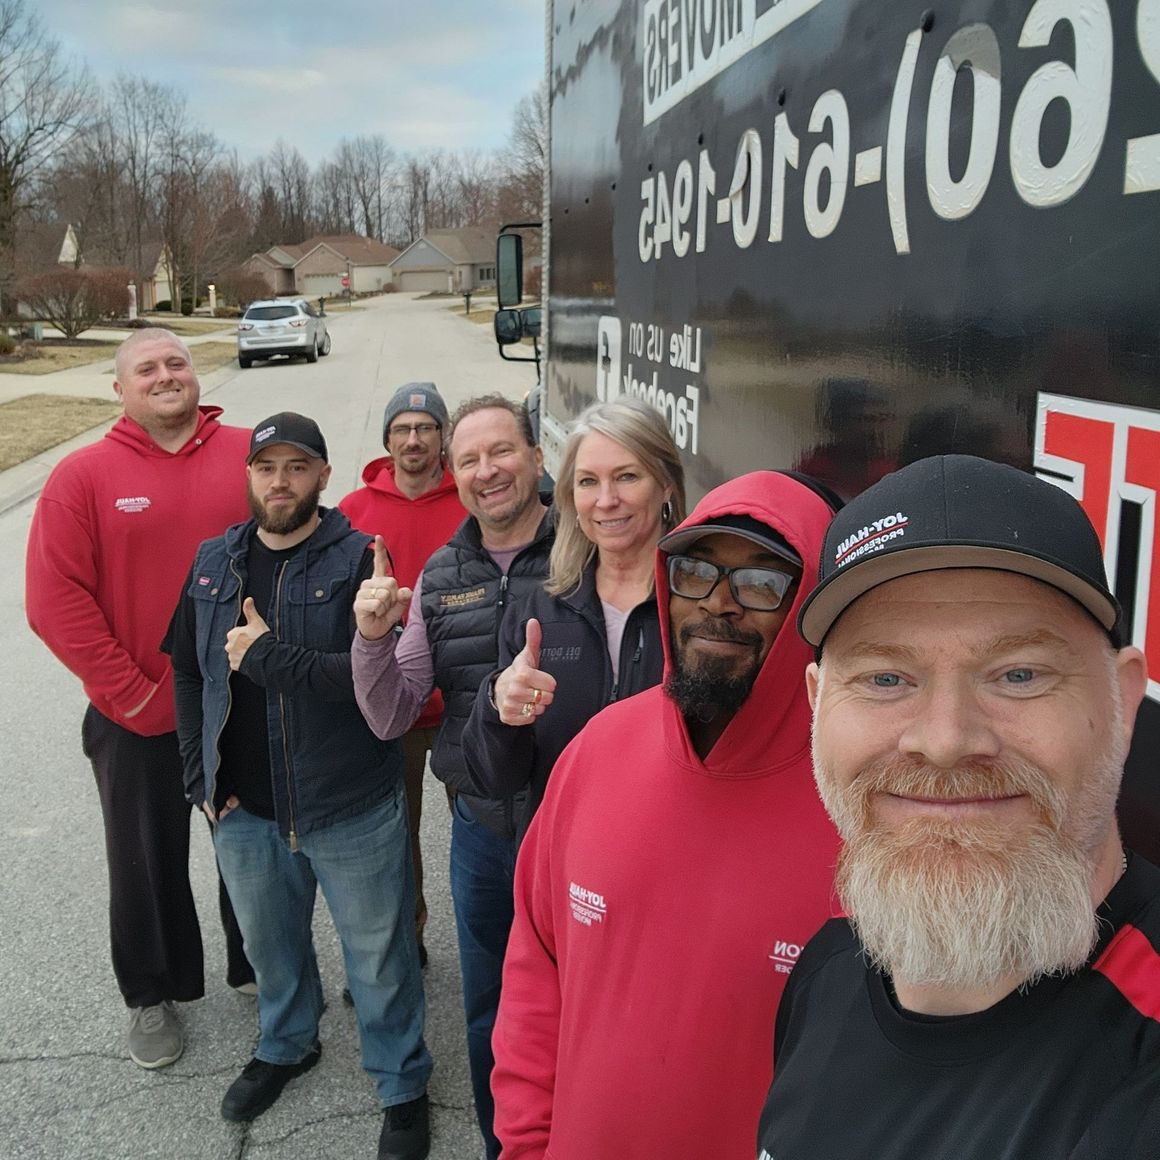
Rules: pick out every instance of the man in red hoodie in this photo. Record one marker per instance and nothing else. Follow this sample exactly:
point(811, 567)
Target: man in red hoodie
point(113, 535)
point(410, 499)
point(678, 863)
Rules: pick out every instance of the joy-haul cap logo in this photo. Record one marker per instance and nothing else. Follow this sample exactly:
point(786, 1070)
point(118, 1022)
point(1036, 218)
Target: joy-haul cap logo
point(265, 433)
point(870, 538)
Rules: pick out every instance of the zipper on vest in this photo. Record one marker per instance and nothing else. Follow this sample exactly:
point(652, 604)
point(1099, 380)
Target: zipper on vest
point(636, 655)
point(500, 601)
point(217, 741)
point(293, 834)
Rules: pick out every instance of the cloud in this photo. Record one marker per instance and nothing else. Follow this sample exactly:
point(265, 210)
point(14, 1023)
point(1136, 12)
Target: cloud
point(281, 81)
point(443, 74)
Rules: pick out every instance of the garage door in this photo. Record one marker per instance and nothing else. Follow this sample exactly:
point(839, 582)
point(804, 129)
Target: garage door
point(315, 285)
point(421, 281)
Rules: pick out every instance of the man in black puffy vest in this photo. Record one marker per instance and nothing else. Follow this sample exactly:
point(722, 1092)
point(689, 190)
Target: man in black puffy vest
point(499, 552)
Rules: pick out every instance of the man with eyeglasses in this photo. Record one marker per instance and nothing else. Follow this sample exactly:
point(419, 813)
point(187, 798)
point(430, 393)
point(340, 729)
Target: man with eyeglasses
point(410, 499)
point(678, 863)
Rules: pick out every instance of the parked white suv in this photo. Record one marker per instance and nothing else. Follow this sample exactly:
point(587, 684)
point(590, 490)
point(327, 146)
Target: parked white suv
point(289, 326)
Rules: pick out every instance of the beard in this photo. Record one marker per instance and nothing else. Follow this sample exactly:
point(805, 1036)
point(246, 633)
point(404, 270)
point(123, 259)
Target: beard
point(285, 520)
point(714, 685)
point(943, 902)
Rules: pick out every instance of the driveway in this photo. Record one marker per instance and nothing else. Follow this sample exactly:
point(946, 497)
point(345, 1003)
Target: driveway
point(66, 1086)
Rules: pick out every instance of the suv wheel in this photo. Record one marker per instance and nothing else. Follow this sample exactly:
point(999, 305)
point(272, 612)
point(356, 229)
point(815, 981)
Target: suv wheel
point(312, 353)
point(325, 347)
point(245, 362)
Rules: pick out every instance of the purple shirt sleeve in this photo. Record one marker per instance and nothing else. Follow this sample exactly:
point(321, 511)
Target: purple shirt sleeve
point(394, 677)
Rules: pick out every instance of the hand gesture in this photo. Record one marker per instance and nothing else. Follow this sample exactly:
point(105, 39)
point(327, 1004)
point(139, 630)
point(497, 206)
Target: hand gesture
point(238, 640)
point(380, 603)
point(523, 691)
point(231, 805)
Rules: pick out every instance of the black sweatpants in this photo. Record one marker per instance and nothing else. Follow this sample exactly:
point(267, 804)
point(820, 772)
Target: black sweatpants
point(153, 927)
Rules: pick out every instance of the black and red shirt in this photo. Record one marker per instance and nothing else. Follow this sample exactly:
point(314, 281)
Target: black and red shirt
point(1066, 1069)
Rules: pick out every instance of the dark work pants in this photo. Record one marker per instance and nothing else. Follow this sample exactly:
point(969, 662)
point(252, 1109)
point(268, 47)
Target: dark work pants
point(153, 928)
point(483, 892)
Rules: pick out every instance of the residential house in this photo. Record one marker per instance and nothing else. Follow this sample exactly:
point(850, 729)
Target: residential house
point(449, 261)
point(45, 246)
point(325, 266)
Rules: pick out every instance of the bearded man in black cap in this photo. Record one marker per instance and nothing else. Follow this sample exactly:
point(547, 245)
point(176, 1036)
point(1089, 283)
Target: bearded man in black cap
point(300, 791)
point(994, 993)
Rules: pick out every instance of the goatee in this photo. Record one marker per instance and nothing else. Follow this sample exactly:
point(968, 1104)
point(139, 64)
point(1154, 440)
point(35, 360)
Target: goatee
point(943, 902)
point(714, 685)
point(284, 520)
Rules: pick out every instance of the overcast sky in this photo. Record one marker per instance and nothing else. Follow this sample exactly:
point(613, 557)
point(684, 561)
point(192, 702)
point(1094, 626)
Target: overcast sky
point(428, 74)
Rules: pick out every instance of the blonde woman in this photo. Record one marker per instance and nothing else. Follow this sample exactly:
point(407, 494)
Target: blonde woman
point(591, 635)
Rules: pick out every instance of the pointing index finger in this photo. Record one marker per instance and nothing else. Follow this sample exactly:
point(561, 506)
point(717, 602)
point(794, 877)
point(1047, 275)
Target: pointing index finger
point(382, 560)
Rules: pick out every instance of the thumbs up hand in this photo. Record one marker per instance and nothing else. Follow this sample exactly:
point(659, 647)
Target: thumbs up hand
point(238, 640)
point(523, 691)
point(380, 603)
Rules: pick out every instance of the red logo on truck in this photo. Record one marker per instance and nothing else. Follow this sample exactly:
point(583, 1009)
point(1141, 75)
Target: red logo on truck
point(1108, 456)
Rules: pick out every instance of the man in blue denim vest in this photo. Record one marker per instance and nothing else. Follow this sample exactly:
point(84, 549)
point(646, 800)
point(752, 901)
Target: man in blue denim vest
point(300, 791)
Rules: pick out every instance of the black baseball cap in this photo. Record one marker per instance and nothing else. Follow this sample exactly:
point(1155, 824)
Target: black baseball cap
point(959, 511)
point(735, 525)
point(288, 427)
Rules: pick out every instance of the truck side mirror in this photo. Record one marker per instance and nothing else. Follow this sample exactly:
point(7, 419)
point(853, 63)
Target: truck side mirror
point(509, 327)
point(533, 318)
point(509, 265)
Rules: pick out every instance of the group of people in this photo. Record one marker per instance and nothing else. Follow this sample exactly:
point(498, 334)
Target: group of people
point(784, 828)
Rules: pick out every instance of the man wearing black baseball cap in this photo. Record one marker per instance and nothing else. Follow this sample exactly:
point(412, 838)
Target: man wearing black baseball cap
point(300, 792)
point(678, 862)
point(995, 988)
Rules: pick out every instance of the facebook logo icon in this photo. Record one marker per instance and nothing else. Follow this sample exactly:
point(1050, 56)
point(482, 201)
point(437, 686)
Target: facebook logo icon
point(607, 357)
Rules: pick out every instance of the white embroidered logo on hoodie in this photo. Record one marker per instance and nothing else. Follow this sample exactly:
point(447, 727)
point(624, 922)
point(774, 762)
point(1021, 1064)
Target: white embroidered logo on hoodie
point(785, 956)
point(133, 503)
point(588, 907)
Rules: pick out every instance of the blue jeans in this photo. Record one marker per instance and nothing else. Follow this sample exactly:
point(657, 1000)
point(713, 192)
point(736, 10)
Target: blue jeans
point(363, 865)
point(483, 890)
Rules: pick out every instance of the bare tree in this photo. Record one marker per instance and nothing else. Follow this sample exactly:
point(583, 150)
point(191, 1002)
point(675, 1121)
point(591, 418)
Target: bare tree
point(521, 193)
point(186, 206)
point(477, 188)
point(143, 114)
point(74, 300)
point(372, 168)
point(292, 184)
point(43, 103)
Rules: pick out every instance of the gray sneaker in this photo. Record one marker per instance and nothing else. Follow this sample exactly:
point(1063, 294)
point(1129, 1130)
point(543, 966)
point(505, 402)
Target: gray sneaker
point(155, 1035)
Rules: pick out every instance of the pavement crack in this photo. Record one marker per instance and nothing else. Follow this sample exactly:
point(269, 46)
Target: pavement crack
point(335, 1117)
point(162, 1075)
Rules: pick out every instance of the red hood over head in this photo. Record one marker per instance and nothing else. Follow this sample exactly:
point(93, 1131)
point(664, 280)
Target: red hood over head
point(772, 727)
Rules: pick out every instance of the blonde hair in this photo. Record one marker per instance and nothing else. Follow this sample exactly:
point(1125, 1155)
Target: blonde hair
point(643, 431)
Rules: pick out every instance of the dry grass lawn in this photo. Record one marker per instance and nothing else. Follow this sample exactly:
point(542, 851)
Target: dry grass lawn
point(208, 356)
point(44, 358)
point(190, 327)
point(35, 423)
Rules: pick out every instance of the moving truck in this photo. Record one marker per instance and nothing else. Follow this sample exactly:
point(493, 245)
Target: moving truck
point(839, 235)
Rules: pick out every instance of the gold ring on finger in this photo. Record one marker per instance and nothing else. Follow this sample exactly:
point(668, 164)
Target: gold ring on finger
point(528, 709)
point(537, 696)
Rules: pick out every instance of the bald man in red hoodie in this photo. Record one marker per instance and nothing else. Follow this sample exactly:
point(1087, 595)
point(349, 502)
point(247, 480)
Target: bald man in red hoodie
point(115, 530)
point(410, 499)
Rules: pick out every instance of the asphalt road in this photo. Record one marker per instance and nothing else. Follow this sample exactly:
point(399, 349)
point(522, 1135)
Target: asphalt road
point(67, 1087)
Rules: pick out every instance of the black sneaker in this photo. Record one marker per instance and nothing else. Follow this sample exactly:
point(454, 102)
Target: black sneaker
point(260, 1084)
point(406, 1133)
